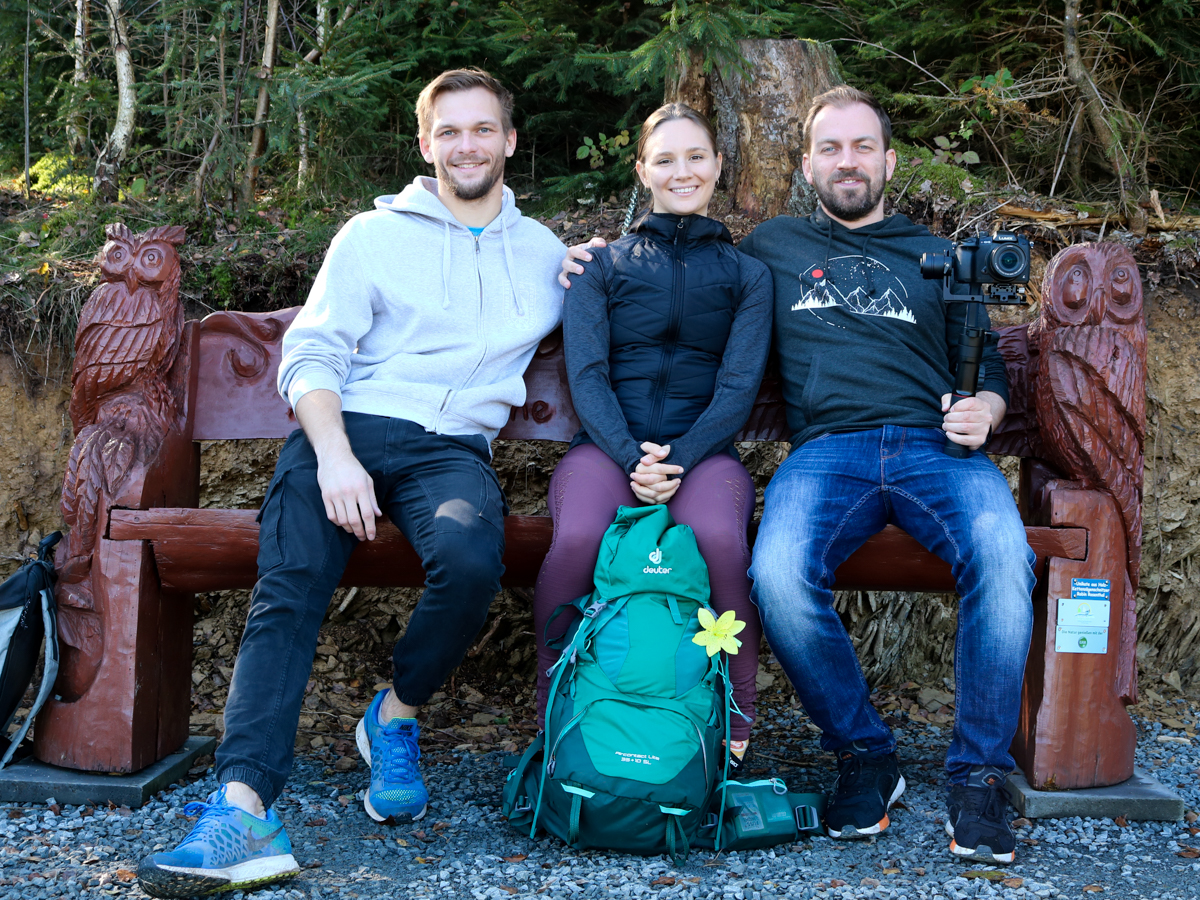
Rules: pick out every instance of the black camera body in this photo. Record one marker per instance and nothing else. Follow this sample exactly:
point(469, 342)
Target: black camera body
point(1000, 258)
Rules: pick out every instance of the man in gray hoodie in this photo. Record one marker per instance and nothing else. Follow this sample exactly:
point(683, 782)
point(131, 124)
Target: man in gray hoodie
point(402, 367)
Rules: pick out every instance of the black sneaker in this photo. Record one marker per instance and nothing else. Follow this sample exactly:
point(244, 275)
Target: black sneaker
point(866, 788)
point(978, 821)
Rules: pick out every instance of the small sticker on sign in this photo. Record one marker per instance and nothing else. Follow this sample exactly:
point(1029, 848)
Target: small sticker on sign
point(1090, 588)
point(1077, 613)
point(1080, 640)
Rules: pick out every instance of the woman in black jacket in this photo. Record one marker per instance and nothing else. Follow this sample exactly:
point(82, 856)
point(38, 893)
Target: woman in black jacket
point(666, 336)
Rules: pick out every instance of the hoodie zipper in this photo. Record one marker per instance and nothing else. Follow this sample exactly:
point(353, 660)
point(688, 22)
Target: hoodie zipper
point(673, 326)
point(481, 331)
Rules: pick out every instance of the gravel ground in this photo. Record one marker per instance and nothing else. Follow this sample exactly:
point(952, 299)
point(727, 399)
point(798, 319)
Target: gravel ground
point(464, 848)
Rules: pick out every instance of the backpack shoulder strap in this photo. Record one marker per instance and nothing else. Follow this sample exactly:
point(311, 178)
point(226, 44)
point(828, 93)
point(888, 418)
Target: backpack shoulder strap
point(49, 668)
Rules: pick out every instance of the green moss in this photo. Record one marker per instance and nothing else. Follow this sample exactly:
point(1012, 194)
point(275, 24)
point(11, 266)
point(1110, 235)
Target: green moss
point(915, 167)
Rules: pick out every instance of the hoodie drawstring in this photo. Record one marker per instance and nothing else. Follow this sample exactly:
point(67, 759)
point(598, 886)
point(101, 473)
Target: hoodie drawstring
point(446, 267)
point(828, 243)
point(512, 272)
point(867, 268)
point(829, 276)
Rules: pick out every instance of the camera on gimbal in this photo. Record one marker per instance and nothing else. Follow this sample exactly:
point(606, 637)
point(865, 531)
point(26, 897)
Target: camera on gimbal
point(999, 261)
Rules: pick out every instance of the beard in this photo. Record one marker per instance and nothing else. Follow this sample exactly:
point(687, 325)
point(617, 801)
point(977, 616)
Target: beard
point(850, 206)
point(473, 190)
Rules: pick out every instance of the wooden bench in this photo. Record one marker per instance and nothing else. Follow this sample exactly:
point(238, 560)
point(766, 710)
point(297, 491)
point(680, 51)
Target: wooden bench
point(126, 698)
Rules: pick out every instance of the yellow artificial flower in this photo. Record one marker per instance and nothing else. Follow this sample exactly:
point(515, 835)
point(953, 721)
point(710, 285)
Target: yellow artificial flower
point(718, 634)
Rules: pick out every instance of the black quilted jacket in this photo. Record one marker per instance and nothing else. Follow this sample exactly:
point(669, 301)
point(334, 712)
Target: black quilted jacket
point(666, 337)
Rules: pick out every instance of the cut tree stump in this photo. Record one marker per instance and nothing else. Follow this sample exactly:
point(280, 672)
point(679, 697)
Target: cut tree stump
point(760, 118)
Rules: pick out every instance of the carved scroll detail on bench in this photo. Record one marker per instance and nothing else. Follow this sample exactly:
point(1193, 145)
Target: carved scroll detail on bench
point(1091, 406)
point(123, 403)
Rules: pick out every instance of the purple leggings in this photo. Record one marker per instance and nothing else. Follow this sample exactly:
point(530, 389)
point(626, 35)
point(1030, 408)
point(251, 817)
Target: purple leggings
point(716, 499)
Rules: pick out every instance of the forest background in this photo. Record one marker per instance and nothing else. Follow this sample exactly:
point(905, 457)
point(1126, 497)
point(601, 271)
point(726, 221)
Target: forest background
point(262, 125)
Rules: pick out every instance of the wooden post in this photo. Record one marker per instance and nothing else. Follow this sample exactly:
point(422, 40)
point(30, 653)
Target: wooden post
point(123, 682)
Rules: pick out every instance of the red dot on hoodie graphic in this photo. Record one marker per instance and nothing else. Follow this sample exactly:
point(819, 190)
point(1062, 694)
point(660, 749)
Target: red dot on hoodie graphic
point(818, 273)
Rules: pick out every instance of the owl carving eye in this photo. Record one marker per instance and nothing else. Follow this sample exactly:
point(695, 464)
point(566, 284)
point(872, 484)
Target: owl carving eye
point(152, 257)
point(1125, 301)
point(1078, 287)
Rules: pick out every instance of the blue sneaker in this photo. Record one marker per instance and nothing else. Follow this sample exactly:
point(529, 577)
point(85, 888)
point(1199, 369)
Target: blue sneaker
point(397, 792)
point(228, 849)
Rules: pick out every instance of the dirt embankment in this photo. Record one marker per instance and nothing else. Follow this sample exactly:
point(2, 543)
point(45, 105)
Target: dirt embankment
point(900, 637)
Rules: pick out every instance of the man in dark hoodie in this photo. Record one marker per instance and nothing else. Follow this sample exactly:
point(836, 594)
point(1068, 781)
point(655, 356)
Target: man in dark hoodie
point(867, 351)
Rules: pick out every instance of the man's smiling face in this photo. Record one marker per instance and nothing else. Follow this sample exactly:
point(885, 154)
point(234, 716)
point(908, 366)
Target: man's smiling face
point(467, 144)
point(847, 164)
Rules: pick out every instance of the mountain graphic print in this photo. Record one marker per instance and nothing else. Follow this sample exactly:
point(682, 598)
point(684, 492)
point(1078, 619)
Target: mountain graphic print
point(875, 292)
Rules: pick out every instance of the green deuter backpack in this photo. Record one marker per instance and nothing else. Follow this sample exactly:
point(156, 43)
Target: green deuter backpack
point(629, 757)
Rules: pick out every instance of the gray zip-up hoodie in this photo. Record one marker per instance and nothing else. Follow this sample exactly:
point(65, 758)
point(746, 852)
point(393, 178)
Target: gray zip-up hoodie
point(413, 317)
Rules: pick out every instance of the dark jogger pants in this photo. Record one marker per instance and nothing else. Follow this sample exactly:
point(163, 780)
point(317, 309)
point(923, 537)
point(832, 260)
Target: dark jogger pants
point(443, 495)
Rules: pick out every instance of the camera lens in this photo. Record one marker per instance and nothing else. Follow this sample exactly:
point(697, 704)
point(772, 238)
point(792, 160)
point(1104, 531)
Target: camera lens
point(1008, 262)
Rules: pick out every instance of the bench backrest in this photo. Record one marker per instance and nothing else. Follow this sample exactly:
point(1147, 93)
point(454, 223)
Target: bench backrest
point(239, 358)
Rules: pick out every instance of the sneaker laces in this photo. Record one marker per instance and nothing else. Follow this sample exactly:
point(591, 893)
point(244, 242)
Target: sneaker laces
point(207, 823)
point(984, 801)
point(849, 773)
point(399, 759)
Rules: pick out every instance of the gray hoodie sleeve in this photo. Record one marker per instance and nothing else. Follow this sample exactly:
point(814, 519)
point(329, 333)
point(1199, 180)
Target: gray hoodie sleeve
point(741, 370)
point(586, 347)
point(324, 334)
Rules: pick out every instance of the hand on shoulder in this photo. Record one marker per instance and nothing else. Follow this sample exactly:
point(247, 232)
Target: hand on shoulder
point(576, 254)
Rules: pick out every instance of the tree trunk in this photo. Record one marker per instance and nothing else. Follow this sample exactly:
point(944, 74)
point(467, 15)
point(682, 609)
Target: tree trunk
point(1111, 123)
point(77, 121)
point(691, 87)
point(258, 138)
point(108, 164)
point(760, 116)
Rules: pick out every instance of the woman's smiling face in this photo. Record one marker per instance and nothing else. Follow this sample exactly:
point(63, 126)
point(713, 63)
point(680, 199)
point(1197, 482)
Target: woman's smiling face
point(680, 166)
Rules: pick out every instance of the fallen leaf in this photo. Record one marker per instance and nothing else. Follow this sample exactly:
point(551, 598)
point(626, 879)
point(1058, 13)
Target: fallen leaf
point(664, 880)
point(837, 882)
point(402, 842)
point(1190, 816)
point(1189, 853)
point(870, 882)
point(508, 888)
point(517, 858)
point(693, 880)
point(16, 813)
point(1013, 882)
point(1121, 821)
point(313, 864)
point(986, 874)
point(1020, 823)
point(1093, 889)
point(316, 823)
point(344, 800)
point(55, 808)
point(919, 870)
point(126, 875)
point(420, 860)
point(891, 871)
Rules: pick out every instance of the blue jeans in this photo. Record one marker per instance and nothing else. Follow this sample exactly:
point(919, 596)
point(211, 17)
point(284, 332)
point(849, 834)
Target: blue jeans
point(442, 494)
point(827, 498)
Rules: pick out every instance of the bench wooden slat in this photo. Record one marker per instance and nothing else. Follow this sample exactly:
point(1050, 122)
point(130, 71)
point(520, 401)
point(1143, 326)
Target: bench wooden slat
point(217, 549)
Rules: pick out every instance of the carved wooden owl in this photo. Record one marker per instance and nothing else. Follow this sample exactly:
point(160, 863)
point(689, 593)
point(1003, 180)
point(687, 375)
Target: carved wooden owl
point(1092, 345)
point(130, 327)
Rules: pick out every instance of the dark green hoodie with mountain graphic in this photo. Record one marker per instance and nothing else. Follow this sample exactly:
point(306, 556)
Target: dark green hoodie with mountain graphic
point(861, 338)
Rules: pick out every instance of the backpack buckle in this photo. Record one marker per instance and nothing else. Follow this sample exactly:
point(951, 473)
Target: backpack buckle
point(595, 609)
point(807, 818)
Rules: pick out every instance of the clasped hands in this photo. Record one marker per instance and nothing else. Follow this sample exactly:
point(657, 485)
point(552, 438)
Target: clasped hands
point(651, 480)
